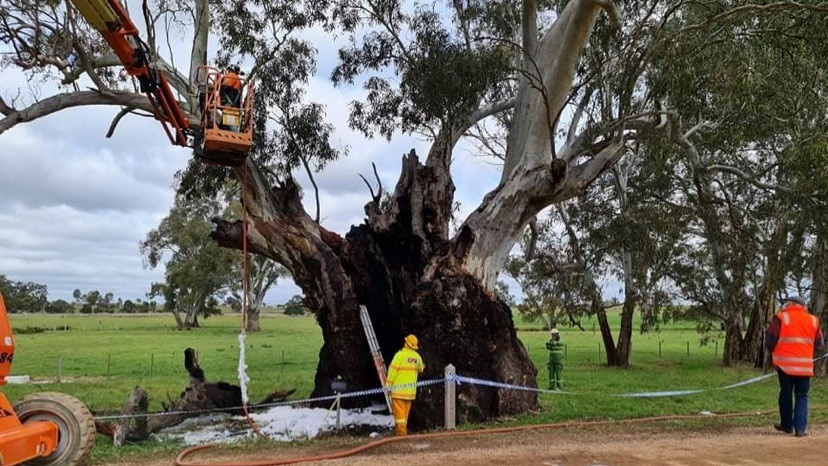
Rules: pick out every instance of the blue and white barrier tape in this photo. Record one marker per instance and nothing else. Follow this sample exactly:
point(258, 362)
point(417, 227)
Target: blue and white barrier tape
point(470, 380)
point(372, 391)
point(460, 379)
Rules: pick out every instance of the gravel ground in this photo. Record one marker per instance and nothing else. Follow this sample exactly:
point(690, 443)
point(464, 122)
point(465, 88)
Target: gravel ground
point(618, 445)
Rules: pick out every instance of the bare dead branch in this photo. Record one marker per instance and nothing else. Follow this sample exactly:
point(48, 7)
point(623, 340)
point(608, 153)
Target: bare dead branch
point(487, 111)
point(488, 143)
point(370, 189)
point(313, 182)
point(201, 29)
point(124, 111)
point(379, 181)
point(576, 118)
point(150, 23)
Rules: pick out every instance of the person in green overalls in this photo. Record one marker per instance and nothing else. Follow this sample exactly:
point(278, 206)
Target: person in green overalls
point(556, 356)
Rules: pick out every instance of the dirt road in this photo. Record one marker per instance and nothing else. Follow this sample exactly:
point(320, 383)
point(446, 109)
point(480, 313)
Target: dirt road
point(611, 446)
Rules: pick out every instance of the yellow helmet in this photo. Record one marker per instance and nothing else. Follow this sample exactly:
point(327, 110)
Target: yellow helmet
point(411, 342)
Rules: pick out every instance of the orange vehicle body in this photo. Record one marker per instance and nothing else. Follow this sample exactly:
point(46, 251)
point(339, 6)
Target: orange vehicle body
point(19, 442)
point(111, 19)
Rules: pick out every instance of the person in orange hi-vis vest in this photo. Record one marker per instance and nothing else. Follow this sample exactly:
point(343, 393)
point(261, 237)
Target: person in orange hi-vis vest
point(231, 86)
point(792, 338)
point(402, 380)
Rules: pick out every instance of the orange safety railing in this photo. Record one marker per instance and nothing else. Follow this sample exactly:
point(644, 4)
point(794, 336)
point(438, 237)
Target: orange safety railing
point(221, 143)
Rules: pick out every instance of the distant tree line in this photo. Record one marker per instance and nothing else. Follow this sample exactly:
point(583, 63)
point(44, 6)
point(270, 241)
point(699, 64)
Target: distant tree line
point(32, 297)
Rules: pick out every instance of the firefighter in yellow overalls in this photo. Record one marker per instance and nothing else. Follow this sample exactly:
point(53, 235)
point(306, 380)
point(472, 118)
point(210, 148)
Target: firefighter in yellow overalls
point(402, 379)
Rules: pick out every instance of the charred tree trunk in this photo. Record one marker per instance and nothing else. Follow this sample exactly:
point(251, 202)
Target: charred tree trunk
point(402, 267)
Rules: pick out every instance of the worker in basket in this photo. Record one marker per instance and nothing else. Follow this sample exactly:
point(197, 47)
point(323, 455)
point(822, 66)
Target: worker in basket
point(231, 93)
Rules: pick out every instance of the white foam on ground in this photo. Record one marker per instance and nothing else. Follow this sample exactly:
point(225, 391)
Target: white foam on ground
point(281, 423)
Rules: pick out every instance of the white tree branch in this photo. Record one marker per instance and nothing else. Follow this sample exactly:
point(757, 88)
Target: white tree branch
point(201, 32)
point(557, 57)
point(487, 111)
point(529, 24)
point(581, 176)
point(60, 102)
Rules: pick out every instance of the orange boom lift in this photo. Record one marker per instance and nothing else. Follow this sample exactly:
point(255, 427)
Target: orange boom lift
point(48, 429)
point(214, 141)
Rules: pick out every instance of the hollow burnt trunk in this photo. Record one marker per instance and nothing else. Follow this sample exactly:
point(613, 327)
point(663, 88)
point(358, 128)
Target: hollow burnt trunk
point(402, 267)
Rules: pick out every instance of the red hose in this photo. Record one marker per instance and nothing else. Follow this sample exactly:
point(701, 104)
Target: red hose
point(180, 459)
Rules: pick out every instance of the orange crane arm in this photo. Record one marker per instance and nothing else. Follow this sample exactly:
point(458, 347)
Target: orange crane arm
point(111, 19)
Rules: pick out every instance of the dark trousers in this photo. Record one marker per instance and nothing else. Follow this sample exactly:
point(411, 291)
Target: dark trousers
point(793, 414)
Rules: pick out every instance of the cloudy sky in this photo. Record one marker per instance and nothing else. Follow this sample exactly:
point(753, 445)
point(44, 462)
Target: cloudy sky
point(74, 204)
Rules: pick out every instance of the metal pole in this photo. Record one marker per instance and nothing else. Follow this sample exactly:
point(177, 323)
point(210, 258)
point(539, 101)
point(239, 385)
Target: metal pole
point(108, 365)
point(450, 411)
point(337, 409)
point(152, 362)
point(688, 349)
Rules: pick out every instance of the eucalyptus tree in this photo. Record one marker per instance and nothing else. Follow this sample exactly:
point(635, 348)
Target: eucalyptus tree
point(426, 69)
point(262, 274)
point(740, 89)
point(23, 296)
point(198, 273)
point(614, 236)
point(600, 237)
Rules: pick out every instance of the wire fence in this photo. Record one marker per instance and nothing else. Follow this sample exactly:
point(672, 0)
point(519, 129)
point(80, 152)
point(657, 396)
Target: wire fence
point(151, 364)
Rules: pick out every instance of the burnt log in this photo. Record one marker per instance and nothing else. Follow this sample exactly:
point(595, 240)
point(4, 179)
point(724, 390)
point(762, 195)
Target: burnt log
point(200, 397)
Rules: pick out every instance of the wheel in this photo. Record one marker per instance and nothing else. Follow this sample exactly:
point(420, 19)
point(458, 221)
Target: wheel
point(76, 426)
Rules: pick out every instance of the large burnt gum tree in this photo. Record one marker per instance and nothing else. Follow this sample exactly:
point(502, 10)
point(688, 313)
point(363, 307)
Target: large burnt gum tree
point(404, 263)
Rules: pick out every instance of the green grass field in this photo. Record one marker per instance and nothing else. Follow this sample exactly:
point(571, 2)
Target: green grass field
point(102, 358)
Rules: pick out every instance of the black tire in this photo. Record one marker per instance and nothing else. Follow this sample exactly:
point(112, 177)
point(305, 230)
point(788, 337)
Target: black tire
point(76, 426)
